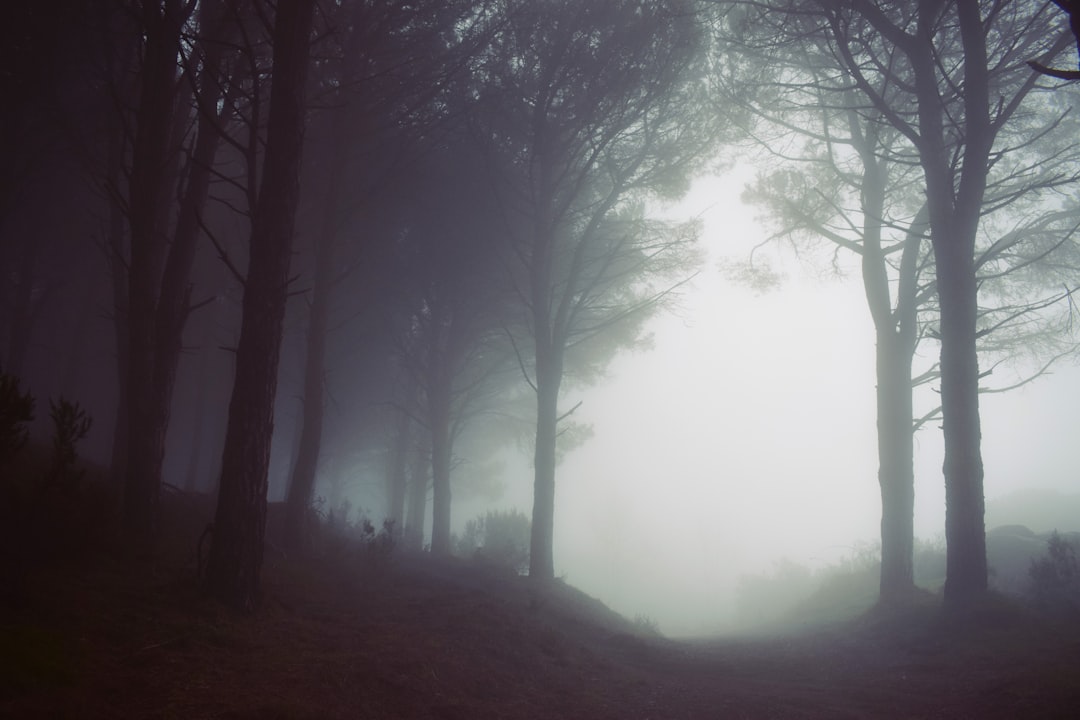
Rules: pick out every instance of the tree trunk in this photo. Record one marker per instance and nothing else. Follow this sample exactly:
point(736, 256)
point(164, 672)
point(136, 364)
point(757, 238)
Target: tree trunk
point(235, 560)
point(541, 554)
point(955, 210)
point(302, 484)
point(896, 342)
point(148, 198)
point(441, 458)
point(896, 474)
point(397, 480)
point(116, 260)
point(965, 531)
point(418, 488)
point(191, 476)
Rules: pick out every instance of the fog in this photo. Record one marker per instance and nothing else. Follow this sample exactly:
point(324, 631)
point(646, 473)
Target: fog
point(746, 434)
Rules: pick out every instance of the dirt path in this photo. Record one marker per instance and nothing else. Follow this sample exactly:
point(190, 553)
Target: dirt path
point(369, 638)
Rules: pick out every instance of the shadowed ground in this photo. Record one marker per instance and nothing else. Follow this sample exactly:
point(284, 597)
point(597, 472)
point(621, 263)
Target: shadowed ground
point(357, 634)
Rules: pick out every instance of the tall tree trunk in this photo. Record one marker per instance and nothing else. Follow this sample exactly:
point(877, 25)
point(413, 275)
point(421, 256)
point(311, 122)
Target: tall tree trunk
point(148, 198)
point(116, 255)
point(302, 483)
point(397, 478)
point(191, 476)
point(896, 475)
point(548, 380)
point(965, 531)
point(896, 340)
point(172, 302)
point(955, 209)
point(235, 561)
point(441, 457)
point(417, 512)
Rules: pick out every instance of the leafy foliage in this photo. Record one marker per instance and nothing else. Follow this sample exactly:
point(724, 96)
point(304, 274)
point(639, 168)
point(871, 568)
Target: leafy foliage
point(1055, 577)
point(16, 410)
point(70, 425)
point(501, 538)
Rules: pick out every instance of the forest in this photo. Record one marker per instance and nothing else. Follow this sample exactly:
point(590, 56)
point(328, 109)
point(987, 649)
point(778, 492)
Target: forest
point(319, 321)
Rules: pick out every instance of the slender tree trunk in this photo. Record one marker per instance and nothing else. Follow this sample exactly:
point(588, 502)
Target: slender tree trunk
point(896, 474)
point(167, 315)
point(235, 561)
point(441, 456)
point(114, 246)
point(118, 276)
point(397, 479)
point(148, 198)
point(174, 301)
point(191, 477)
point(417, 512)
point(965, 531)
point(954, 212)
point(302, 484)
point(895, 348)
point(548, 380)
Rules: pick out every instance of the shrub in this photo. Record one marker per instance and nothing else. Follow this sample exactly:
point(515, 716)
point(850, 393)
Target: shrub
point(70, 425)
point(501, 538)
point(16, 412)
point(1055, 577)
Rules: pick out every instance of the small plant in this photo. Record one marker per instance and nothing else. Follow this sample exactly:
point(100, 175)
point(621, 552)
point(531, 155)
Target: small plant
point(1055, 577)
point(16, 412)
point(381, 542)
point(646, 625)
point(501, 538)
point(70, 425)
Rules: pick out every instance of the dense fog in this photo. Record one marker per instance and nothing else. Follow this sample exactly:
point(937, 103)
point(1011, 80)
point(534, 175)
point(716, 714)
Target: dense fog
point(605, 273)
point(745, 436)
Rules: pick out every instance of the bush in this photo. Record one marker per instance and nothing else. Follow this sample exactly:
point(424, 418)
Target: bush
point(339, 535)
point(501, 538)
point(70, 425)
point(1055, 577)
point(16, 411)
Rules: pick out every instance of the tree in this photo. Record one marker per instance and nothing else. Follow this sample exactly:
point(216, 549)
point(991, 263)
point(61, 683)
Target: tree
point(235, 559)
point(842, 177)
point(1072, 9)
point(448, 310)
point(589, 106)
point(157, 301)
point(894, 57)
point(390, 64)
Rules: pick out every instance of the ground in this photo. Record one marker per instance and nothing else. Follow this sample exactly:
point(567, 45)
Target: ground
point(356, 633)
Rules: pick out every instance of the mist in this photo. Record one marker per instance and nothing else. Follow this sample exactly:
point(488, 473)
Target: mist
point(539, 359)
point(744, 436)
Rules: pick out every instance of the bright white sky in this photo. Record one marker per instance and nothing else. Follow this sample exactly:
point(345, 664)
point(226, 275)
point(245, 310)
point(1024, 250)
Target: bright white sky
point(748, 434)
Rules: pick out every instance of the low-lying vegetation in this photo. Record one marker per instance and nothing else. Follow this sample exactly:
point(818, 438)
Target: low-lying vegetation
point(357, 628)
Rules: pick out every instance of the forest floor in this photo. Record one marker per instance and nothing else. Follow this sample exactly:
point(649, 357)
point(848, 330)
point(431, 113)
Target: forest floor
point(361, 634)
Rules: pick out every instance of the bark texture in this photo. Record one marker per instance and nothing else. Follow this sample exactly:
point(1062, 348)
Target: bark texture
point(236, 553)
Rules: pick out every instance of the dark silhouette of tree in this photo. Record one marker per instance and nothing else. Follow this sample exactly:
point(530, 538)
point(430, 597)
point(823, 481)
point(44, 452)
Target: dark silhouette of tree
point(156, 302)
point(846, 175)
point(448, 310)
point(391, 63)
point(898, 69)
point(235, 560)
point(1072, 9)
point(588, 106)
